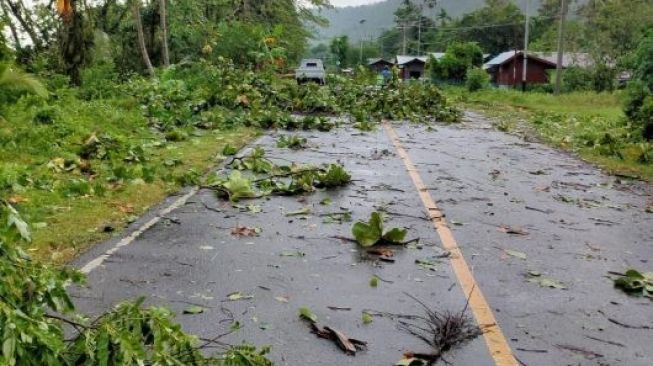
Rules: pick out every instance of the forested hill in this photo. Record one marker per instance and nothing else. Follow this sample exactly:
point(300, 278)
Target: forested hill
point(379, 16)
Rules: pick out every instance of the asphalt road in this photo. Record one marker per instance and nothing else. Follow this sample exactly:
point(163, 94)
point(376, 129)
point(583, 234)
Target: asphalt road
point(574, 225)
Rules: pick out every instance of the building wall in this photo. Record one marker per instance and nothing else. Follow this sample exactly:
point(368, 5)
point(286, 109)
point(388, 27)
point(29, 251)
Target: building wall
point(412, 67)
point(510, 73)
point(378, 67)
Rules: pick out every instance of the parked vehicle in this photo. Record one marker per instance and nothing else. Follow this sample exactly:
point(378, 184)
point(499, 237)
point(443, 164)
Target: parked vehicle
point(311, 70)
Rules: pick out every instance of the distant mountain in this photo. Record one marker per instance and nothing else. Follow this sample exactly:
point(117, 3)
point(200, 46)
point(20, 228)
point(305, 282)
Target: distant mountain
point(380, 16)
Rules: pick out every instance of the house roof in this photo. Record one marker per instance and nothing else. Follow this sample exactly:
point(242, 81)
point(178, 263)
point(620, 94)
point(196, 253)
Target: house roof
point(579, 59)
point(372, 61)
point(402, 59)
point(504, 57)
point(569, 59)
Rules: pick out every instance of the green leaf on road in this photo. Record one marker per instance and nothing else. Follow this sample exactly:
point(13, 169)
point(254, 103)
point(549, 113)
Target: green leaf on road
point(411, 361)
point(193, 309)
point(395, 235)
point(237, 296)
point(636, 283)
point(545, 281)
point(367, 318)
point(368, 234)
point(374, 281)
point(292, 253)
point(303, 211)
point(306, 313)
point(516, 254)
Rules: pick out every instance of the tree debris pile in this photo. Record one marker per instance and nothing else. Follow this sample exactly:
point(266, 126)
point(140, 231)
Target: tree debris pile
point(35, 309)
point(442, 332)
point(212, 95)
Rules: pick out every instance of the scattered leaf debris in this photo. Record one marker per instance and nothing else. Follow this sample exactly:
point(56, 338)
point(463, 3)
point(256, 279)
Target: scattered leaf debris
point(237, 296)
point(349, 345)
point(244, 231)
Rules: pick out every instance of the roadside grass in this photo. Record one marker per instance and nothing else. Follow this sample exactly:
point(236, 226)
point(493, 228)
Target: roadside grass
point(592, 125)
point(74, 202)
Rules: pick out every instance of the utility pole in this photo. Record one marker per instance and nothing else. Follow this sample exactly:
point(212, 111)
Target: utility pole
point(527, 29)
point(361, 22)
point(403, 52)
point(419, 30)
point(561, 33)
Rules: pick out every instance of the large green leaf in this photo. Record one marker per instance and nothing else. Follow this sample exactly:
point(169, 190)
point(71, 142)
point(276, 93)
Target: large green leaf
point(636, 283)
point(395, 235)
point(368, 234)
point(15, 221)
point(238, 186)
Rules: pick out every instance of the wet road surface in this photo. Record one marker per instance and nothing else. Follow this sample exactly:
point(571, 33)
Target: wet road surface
point(573, 224)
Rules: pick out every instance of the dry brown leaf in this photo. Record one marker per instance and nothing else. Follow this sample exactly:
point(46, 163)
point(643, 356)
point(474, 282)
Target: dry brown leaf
point(17, 199)
point(512, 230)
point(383, 252)
point(126, 209)
point(240, 231)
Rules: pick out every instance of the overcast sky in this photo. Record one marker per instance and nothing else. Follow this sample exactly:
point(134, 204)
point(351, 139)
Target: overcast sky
point(352, 2)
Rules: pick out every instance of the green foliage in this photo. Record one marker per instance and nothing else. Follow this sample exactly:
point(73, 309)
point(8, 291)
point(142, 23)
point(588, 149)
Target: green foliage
point(35, 305)
point(275, 179)
point(492, 40)
point(577, 79)
point(234, 187)
point(339, 48)
point(639, 103)
point(244, 355)
point(477, 79)
point(294, 142)
point(458, 59)
point(15, 82)
point(370, 233)
point(636, 283)
point(599, 78)
point(334, 176)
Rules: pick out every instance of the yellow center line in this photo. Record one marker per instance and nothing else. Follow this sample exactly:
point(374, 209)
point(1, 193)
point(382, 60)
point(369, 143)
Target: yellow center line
point(494, 338)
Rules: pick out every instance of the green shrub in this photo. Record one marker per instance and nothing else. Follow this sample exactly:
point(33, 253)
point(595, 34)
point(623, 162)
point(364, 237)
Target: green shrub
point(477, 79)
point(100, 81)
point(577, 79)
point(639, 102)
point(457, 60)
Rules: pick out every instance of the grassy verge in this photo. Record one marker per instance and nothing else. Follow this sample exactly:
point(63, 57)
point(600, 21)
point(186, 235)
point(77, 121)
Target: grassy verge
point(80, 170)
point(589, 124)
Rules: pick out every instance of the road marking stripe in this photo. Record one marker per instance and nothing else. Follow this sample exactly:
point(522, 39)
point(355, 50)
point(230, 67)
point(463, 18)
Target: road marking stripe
point(494, 338)
point(95, 263)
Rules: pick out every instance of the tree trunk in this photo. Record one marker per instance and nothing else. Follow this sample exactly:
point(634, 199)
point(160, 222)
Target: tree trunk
point(12, 27)
point(73, 44)
point(17, 12)
point(164, 33)
point(141, 36)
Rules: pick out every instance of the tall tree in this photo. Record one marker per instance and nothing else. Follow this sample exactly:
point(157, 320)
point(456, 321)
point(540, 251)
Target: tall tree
point(23, 16)
point(138, 24)
point(340, 48)
point(165, 53)
point(497, 27)
point(6, 19)
point(614, 28)
point(75, 40)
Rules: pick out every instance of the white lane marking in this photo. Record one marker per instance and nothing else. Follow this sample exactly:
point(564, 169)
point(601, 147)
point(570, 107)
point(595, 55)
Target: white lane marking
point(95, 263)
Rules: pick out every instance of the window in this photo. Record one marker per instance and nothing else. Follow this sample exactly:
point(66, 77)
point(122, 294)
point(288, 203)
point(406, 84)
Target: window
point(311, 64)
